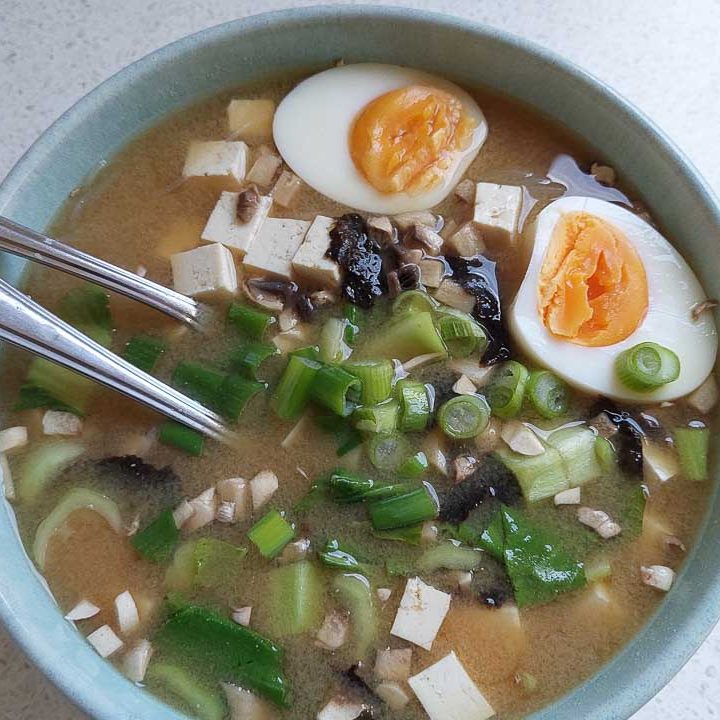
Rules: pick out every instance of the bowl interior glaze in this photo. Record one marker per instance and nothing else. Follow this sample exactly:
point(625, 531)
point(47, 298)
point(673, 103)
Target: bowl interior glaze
point(248, 50)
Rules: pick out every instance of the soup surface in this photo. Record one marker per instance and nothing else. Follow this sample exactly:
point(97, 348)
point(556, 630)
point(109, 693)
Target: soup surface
point(365, 529)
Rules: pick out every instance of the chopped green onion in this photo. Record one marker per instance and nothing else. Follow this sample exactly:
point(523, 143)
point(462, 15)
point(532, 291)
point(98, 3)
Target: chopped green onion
point(388, 452)
point(348, 487)
point(309, 352)
point(540, 476)
point(293, 599)
point(41, 465)
point(506, 390)
point(293, 391)
point(271, 534)
point(354, 316)
point(157, 541)
point(144, 351)
point(252, 323)
point(335, 389)
point(248, 358)
point(414, 466)
point(382, 418)
point(335, 555)
point(181, 437)
point(180, 575)
point(202, 702)
point(382, 492)
point(376, 378)
point(199, 382)
point(647, 366)
point(464, 416)
point(577, 449)
point(354, 594)
point(412, 301)
point(87, 308)
point(449, 556)
point(202, 638)
point(411, 534)
point(548, 394)
point(414, 405)
point(235, 393)
point(409, 335)
point(66, 388)
point(462, 335)
point(605, 453)
point(32, 396)
point(693, 445)
point(410, 508)
point(333, 348)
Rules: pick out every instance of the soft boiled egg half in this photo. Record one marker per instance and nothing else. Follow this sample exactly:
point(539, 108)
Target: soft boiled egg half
point(600, 281)
point(379, 138)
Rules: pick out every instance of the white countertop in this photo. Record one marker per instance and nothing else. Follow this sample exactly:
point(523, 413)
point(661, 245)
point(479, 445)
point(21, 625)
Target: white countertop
point(661, 54)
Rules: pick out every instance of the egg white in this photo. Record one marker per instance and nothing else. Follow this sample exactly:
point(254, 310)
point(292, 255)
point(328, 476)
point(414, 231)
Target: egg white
point(312, 126)
point(673, 290)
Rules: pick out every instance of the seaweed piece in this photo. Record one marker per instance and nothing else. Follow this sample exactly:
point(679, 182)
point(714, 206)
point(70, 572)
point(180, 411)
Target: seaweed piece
point(477, 276)
point(491, 584)
point(630, 433)
point(359, 256)
point(492, 482)
point(135, 473)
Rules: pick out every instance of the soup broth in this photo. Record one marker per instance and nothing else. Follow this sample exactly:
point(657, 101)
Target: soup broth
point(519, 651)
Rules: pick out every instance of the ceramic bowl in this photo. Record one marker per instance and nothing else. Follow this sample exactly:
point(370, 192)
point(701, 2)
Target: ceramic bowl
point(247, 50)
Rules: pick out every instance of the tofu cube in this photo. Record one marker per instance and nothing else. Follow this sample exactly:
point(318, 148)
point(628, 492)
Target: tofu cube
point(497, 212)
point(207, 272)
point(466, 241)
point(421, 613)
point(447, 692)
point(220, 160)
point(55, 422)
point(341, 708)
point(224, 226)
point(310, 263)
point(275, 246)
point(251, 120)
point(13, 438)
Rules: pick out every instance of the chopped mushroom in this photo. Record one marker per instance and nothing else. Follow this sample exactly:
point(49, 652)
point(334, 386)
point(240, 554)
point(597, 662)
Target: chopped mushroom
point(265, 168)
point(225, 512)
point(393, 695)
point(568, 497)
point(465, 191)
point(262, 487)
point(393, 664)
point(382, 230)
point(233, 493)
point(204, 507)
point(384, 594)
point(287, 319)
point(84, 610)
point(478, 374)
point(452, 294)
point(432, 272)
point(463, 467)
point(290, 340)
point(105, 641)
point(599, 521)
point(242, 615)
point(269, 301)
point(431, 241)
point(521, 439)
point(466, 241)
point(333, 633)
point(136, 661)
point(406, 220)
point(658, 576)
point(13, 438)
point(248, 203)
point(705, 398)
point(464, 386)
point(128, 616)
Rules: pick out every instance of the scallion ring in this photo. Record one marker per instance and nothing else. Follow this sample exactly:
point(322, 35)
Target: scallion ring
point(464, 416)
point(647, 366)
point(548, 394)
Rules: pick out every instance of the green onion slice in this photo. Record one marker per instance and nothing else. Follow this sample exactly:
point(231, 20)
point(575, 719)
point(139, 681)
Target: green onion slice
point(548, 394)
point(647, 366)
point(181, 437)
point(411, 508)
point(506, 390)
point(333, 347)
point(252, 323)
point(414, 405)
point(336, 389)
point(293, 391)
point(376, 377)
point(389, 452)
point(464, 416)
point(271, 534)
point(381, 418)
point(248, 358)
point(460, 332)
point(414, 301)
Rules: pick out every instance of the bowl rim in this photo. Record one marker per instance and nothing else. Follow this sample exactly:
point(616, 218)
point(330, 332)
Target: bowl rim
point(698, 622)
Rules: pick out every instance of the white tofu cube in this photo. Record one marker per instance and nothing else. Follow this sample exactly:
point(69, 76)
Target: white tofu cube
point(105, 641)
point(262, 487)
point(275, 246)
point(207, 272)
point(341, 709)
point(310, 263)
point(251, 120)
point(55, 422)
point(497, 211)
point(217, 159)
point(447, 692)
point(13, 438)
point(224, 226)
point(421, 613)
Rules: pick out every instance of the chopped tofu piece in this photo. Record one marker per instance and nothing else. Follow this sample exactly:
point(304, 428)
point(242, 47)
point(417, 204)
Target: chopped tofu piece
point(275, 246)
point(447, 692)
point(466, 241)
point(659, 462)
point(127, 613)
point(55, 422)
point(334, 631)
point(245, 705)
point(136, 661)
point(658, 576)
point(521, 439)
point(207, 272)
point(497, 211)
point(225, 161)
point(392, 695)
point(393, 664)
point(242, 616)
point(568, 497)
point(105, 641)
point(251, 120)
point(465, 191)
point(204, 508)
point(383, 594)
point(265, 168)
point(235, 491)
point(705, 398)
point(451, 293)
point(286, 189)
point(224, 226)
point(599, 521)
point(84, 610)
point(340, 708)
point(13, 438)
point(310, 263)
point(431, 272)
point(263, 486)
point(421, 613)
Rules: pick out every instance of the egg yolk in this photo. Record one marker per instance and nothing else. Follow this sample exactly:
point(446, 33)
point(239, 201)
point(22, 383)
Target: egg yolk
point(592, 284)
point(405, 140)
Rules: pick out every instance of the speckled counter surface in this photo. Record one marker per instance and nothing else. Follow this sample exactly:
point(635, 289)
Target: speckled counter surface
point(664, 55)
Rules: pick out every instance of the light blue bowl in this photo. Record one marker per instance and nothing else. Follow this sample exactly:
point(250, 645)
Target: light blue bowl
point(232, 54)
